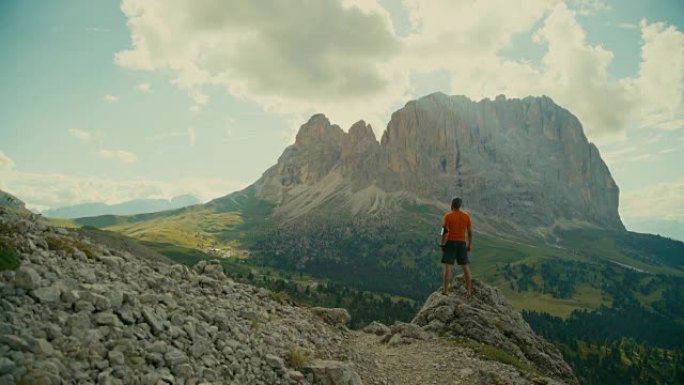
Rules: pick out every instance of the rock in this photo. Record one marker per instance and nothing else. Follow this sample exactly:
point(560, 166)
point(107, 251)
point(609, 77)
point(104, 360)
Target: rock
point(6, 365)
point(46, 294)
point(14, 342)
point(152, 320)
point(332, 316)
point(333, 373)
point(42, 347)
point(70, 296)
point(107, 318)
point(409, 331)
point(26, 278)
point(79, 321)
point(377, 328)
point(491, 319)
point(175, 357)
point(115, 357)
point(274, 361)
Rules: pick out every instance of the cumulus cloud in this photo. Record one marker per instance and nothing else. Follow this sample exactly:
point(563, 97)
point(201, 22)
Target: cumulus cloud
point(662, 200)
point(144, 87)
point(82, 135)
point(345, 59)
point(119, 155)
point(110, 98)
point(294, 57)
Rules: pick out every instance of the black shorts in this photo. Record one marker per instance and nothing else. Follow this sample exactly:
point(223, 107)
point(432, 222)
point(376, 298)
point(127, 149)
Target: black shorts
point(455, 251)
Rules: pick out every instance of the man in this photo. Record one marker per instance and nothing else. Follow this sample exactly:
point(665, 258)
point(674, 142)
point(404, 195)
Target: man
point(454, 247)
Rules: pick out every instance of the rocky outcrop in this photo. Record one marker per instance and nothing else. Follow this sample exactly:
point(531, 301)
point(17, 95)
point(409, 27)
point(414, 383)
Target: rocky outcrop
point(525, 162)
point(489, 318)
point(10, 201)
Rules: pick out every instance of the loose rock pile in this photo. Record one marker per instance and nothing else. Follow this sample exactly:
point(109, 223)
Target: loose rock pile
point(79, 313)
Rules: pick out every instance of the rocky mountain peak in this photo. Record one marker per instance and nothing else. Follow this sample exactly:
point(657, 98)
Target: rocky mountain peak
point(318, 132)
point(516, 162)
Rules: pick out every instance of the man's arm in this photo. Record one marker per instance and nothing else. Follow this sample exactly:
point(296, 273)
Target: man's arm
point(470, 236)
point(444, 235)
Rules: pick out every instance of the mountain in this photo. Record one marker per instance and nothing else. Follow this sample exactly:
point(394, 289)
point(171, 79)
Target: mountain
point(519, 164)
point(77, 310)
point(137, 206)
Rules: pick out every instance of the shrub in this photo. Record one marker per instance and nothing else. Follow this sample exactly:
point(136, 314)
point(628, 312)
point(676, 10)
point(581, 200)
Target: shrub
point(297, 358)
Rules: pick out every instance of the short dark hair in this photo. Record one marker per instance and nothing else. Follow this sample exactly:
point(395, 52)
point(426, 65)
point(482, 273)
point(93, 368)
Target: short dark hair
point(456, 203)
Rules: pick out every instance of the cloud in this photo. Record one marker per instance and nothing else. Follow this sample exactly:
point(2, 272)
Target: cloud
point(119, 155)
point(661, 200)
point(98, 29)
point(6, 167)
point(110, 98)
point(42, 191)
point(6, 164)
point(628, 26)
point(296, 57)
point(345, 59)
point(82, 135)
point(191, 136)
point(144, 87)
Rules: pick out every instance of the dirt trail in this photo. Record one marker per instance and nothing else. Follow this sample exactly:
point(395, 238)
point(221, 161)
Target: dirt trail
point(425, 362)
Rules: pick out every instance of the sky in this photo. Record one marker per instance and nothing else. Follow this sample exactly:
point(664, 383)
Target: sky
point(107, 101)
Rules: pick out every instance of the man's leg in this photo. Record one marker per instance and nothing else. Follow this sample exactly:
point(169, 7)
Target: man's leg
point(466, 278)
point(447, 277)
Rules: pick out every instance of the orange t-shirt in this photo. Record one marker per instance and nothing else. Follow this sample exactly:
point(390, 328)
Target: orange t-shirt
point(456, 222)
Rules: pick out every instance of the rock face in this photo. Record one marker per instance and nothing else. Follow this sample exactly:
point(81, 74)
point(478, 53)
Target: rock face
point(525, 162)
point(490, 319)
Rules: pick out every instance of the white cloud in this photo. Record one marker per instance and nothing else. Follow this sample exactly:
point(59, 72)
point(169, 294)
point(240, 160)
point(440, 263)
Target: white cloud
point(6, 167)
point(110, 98)
point(144, 87)
point(42, 191)
point(628, 26)
point(191, 136)
point(661, 200)
point(344, 58)
point(671, 125)
point(82, 135)
point(119, 155)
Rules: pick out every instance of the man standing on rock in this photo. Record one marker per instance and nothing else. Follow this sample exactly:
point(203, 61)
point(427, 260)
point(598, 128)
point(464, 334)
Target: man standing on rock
point(454, 247)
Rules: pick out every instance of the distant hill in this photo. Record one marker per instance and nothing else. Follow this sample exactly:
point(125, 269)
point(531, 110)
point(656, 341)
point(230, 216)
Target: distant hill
point(666, 227)
point(137, 206)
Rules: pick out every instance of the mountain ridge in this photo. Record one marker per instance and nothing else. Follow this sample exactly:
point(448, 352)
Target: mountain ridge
point(439, 146)
point(132, 207)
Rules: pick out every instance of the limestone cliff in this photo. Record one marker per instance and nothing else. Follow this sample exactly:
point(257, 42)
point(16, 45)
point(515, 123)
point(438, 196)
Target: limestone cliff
point(525, 162)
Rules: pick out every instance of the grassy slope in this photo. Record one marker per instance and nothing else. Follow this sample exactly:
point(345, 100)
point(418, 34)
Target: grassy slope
point(234, 220)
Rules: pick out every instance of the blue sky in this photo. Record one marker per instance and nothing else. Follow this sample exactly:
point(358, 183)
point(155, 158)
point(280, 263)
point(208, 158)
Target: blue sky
point(110, 101)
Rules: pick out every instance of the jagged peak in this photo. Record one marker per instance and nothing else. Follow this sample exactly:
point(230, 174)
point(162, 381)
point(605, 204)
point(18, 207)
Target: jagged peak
point(361, 131)
point(316, 129)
